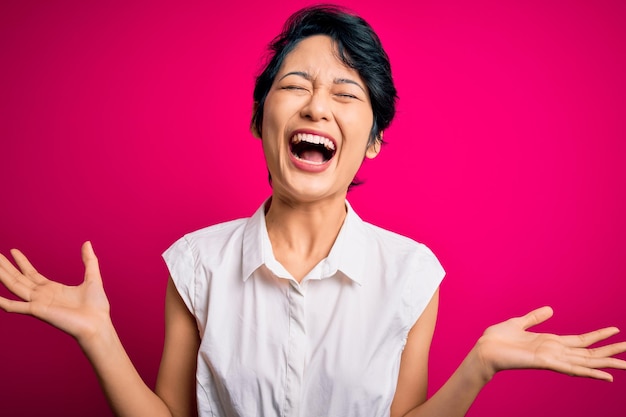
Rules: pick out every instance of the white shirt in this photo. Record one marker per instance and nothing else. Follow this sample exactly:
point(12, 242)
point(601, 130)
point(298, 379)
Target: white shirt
point(327, 346)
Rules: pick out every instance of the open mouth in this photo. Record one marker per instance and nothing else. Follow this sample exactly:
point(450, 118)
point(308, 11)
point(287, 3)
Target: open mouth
point(311, 148)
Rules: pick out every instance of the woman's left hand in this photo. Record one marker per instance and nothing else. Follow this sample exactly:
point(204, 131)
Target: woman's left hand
point(508, 345)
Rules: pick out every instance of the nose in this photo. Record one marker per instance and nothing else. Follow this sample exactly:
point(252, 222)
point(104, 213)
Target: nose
point(318, 107)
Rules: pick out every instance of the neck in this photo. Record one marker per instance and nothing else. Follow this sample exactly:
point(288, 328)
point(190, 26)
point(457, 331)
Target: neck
point(302, 234)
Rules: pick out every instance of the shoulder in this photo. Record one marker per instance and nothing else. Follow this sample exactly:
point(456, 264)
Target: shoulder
point(396, 244)
point(409, 263)
point(192, 258)
point(396, 254)
point(396, 268)
point(213, 239)
point(216, 233)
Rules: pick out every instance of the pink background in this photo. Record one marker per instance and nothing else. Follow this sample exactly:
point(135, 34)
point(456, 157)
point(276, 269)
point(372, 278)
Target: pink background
point(127, 124)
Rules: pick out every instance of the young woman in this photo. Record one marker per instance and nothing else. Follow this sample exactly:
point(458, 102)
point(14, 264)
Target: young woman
point(302, 309)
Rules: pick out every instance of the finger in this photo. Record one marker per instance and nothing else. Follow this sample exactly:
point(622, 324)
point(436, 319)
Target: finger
point(7, 267)
point(536, 317)
point(585, 372)
point(26, 267)
point(608, 350)
point(13, 279)
point(588, 339)
point(578, 368)
point(92, 269)
point(589, 361)
point(12, 306)
point(24, 264)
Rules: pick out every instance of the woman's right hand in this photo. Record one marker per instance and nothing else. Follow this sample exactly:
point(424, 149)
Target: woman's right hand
point(80, 310)
point(83, 312)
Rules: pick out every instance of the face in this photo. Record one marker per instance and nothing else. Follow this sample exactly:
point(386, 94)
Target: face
point(316, 123)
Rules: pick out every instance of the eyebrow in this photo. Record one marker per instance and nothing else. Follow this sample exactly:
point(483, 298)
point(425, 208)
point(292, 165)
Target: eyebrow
point(308, 77)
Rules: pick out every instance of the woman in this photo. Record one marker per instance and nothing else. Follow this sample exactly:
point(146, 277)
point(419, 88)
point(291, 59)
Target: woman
point(302, 309)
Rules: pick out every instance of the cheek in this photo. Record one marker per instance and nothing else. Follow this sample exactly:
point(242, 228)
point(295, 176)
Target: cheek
point(274, 117)
point(270, 155)
point(358, 125)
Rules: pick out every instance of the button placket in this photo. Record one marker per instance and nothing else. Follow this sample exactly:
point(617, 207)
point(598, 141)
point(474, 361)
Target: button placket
point(296, 351)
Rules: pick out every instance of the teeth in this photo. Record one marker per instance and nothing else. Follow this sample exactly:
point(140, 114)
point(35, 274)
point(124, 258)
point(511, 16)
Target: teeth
point(318, 140)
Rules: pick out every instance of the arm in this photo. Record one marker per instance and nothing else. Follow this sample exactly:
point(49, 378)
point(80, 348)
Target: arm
point(412, 385)
point(455, 397)
point(176, 382)
point(507, 345)
point(83, 312)
point(174, 394)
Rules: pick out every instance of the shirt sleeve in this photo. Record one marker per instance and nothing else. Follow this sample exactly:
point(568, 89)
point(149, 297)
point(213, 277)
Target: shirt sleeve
point(427, 275)
point(180, 263)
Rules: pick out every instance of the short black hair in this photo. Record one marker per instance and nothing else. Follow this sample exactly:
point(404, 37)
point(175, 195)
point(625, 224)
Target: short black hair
point(358, 47)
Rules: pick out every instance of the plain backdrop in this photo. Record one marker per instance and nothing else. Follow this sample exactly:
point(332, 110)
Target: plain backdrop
point(127, 123)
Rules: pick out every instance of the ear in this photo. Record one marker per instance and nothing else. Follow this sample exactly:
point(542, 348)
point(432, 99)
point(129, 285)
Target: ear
point(374, 149)
point(255, 132)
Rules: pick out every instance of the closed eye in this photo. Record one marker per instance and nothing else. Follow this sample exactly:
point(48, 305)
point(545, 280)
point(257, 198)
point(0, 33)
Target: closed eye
point(292, 87)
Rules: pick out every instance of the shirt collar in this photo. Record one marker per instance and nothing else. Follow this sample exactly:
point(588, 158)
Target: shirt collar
point(252, 245)
point(347, 254)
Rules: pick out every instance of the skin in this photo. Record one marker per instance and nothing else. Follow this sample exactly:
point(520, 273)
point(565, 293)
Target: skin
point(313, 91)
point(316, 92)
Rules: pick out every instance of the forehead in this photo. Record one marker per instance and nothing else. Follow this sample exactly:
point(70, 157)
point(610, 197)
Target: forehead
point(317, 55)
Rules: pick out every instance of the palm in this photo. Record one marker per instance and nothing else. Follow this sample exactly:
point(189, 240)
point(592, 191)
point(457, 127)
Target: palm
point(508, 345)
point(76, 310)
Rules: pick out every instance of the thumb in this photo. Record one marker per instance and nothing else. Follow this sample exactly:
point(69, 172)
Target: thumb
point(92, 269)
point(536, 317)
